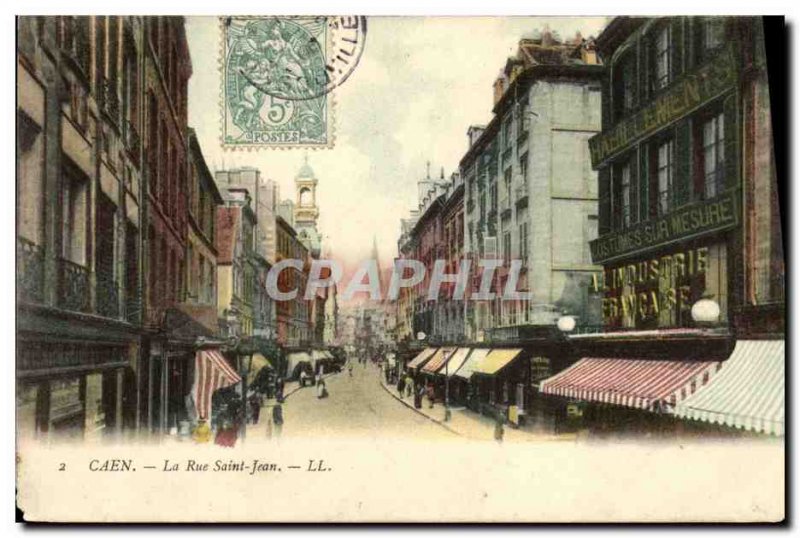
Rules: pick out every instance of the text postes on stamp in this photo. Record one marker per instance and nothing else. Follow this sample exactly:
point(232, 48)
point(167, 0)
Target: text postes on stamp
point(278, 73)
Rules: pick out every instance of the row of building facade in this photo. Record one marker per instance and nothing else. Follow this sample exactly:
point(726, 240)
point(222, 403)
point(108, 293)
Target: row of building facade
point(131, 253)
point(632, 177)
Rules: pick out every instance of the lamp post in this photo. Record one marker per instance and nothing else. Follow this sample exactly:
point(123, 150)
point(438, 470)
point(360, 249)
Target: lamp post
point(447, 387)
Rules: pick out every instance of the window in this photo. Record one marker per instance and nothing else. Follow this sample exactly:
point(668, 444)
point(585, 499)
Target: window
point(31, 178)
point(192, 280)
point(507, 184)
point(507, 249)
point(152, 142)
point(624, 88)
point(713, 156)
point(131, 81)
point(523, 242)
point(665, 172)
point(713, 31)
point(663, 43)
point(625, 191)
point(74, 195)
point(523, 168)
point(507, 132)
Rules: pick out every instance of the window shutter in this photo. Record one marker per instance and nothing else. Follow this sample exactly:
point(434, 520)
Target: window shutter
point(644, 68)
point(691, 41)
point(644, 182)
point(731, 132)
point(676, 44)
point(683, 163)
point(634, 189)
point(604, 195)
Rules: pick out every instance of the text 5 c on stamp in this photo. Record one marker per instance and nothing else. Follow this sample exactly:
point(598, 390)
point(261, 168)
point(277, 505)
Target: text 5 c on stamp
point(278, 74)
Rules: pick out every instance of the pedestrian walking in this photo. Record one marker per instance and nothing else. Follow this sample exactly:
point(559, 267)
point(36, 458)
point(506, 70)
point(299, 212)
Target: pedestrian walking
point(401, 387)
point(277, 419)
point(418, 395)
point(279, 384)
point(409, 386)
point(431, 395)
point(350, 368)
point(322, 389)
point(499, 432)
point(255, 407)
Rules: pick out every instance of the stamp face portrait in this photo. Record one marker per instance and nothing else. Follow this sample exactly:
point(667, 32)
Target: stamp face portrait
point(278, 74)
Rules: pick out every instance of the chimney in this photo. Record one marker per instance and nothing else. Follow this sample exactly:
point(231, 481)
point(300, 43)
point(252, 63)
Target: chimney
point(499, 88)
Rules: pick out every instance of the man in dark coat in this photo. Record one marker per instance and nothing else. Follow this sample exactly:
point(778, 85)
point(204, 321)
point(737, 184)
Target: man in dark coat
point(277, 419)
point(255, 407)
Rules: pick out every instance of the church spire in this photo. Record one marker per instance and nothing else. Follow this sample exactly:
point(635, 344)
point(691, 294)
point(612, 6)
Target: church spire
point(378, 263)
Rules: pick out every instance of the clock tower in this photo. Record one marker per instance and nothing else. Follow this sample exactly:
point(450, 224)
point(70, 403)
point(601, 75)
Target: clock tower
point(306, 212)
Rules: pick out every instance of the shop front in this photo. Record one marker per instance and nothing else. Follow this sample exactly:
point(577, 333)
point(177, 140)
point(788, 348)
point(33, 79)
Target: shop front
point(74, 389)
point(501, 379)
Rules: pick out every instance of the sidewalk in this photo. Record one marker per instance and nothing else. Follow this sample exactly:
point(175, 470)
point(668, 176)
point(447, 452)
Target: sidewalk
point(469, 424)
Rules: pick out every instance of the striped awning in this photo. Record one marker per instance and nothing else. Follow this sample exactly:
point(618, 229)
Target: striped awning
point(747, 393)
point(645, 384)
point(438, 360)
point(422, 357)
point(456, 360)
point(496, 360)
point(212, 372)
point(474, 359)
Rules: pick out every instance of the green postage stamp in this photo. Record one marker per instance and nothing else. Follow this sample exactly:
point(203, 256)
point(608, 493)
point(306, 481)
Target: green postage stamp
point(278, 74)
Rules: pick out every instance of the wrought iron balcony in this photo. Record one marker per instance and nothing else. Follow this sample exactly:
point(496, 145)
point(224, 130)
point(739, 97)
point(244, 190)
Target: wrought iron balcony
point(154, 316)
point(30, 270)
point(132, 139)
point(522, 196)
point(74, 288)
point(74, 42)
point(107, 296)
point(133, 309)
point(110, 98)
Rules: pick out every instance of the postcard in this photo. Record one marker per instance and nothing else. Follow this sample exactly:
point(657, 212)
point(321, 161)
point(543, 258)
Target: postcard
point(373, 269)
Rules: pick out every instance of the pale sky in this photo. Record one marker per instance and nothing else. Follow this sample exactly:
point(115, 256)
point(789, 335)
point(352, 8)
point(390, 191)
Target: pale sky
point(420, 84)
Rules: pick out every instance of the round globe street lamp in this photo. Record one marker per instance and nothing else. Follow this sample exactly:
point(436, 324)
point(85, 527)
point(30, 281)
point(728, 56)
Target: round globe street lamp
point(566, 324)
point(421, 336)
point(705, 312)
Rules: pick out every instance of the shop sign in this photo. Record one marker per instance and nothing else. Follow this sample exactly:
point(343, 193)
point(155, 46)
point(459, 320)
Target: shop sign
point(689, 221)
point(574, 410)
point(638, 291)
point(688, 94)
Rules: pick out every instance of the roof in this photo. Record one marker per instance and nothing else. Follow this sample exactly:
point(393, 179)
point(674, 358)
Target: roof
point(227, 227)
point(200, 162)
point(615, 33)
